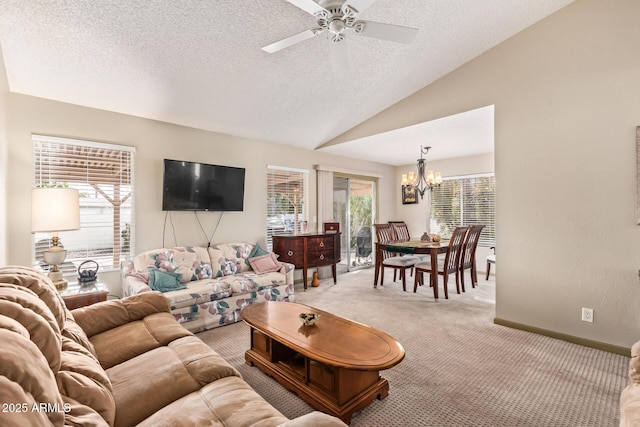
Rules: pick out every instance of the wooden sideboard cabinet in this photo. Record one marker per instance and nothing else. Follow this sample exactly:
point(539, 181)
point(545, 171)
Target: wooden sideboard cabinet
point(309, 250)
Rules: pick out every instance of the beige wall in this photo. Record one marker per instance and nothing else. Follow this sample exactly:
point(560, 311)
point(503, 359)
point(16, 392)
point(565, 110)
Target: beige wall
point(155, 141)
point(4, 100)
point(566, 94)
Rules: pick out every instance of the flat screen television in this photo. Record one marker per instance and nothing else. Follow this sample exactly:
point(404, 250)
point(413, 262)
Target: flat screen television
point(191, 186)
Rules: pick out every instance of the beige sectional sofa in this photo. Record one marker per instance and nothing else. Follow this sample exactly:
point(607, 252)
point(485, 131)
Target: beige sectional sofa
point(630, 397)
point(214, 283)
point(116, 363)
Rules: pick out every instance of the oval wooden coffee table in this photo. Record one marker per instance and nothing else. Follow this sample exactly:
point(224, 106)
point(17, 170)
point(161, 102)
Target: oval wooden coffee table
point(333, 365)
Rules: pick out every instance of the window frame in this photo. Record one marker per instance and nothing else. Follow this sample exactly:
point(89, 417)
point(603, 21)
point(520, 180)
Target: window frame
point(104, 175)
point(465, 218)
point(280, 219)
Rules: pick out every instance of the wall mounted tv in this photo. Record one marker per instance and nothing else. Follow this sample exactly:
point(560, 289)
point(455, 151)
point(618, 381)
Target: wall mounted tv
point(190, 186)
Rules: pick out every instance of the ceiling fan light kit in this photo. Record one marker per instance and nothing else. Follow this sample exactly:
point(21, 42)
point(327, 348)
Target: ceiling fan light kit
point(336, 18)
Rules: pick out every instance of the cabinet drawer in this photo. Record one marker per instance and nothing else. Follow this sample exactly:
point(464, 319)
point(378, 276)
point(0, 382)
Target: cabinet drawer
point(320, 257)
point(289, 250)
point(320, 243)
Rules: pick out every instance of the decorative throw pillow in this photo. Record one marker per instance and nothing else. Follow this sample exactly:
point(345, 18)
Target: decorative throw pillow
point(265, 263)
point(164, 281)
point(256, 251)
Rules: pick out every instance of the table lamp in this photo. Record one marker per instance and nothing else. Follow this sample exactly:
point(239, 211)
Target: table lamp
point(54, 210)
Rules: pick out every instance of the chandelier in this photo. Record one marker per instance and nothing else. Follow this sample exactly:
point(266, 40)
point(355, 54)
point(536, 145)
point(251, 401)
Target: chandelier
point(422, 182)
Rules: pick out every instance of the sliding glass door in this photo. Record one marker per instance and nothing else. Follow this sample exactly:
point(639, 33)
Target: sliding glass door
point(354, 208)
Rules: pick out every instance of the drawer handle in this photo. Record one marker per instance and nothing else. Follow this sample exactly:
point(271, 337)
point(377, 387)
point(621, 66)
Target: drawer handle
point(290, 253)
point(322, 244)
point(322, 256)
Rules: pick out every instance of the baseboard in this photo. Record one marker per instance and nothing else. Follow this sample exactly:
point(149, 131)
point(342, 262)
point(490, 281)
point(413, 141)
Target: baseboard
point(624, 351)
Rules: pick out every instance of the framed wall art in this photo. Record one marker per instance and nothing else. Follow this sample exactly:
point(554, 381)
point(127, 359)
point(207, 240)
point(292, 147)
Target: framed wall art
point(409, 195)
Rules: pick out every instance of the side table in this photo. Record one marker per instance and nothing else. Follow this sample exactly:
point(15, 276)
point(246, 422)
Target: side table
point(83, 294)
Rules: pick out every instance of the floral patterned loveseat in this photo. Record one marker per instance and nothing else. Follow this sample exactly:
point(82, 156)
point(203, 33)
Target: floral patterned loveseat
point(207, 287)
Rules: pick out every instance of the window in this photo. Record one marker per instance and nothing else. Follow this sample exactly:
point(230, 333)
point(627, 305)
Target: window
point(103, 175)
point(287, 196)
point(465, 201)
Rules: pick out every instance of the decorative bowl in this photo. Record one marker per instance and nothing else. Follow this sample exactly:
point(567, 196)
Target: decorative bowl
point(308, 319)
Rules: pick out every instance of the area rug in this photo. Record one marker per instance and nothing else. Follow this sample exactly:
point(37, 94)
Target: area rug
point(460, 368)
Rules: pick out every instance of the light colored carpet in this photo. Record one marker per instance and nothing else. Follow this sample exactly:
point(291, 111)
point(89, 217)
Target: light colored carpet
point(460, 369)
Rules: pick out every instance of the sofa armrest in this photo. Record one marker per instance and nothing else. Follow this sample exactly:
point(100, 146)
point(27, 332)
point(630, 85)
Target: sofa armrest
point(133, 285)
point(133, 282)
point(101, 317)
point(314, 419)
point(287, 269)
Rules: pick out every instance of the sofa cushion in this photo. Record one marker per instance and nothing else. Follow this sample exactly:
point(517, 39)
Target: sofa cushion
point(97, 318)
point(41, 285)
point(200, 317)
point(191, 261)
point(200, 292)
point(26, 378)
point(77, 414)
point(217, 260)
point(74, 332)
point(227, 402)
point(131, 339)
point(24, 306)
point(186, 364)
point(205, 291)
point(235, 255)
point(82, 380)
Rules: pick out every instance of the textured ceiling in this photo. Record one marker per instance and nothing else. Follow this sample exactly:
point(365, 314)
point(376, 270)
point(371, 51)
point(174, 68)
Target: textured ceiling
point(199, 63)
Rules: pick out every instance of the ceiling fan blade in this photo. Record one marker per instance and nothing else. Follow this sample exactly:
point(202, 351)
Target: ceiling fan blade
point(359, 5)
point(394, 33)
point(340, 55)
point(290, 41)
point(308, 6)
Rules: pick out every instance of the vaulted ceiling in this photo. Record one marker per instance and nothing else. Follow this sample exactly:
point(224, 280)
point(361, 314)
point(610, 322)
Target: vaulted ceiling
point(199, 63)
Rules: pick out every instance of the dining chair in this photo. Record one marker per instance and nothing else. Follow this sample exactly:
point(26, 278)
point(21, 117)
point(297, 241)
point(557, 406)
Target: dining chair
point(450, 264)
point(400, 231)
point(468, 256)
point(491, 259)
point(384, 234)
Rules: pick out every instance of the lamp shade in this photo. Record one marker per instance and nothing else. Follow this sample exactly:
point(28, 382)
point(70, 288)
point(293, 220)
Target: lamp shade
point(55, 209)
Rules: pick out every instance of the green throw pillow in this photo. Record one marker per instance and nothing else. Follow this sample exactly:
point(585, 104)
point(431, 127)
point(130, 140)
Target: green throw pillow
point(164, 281)
point(256, 251)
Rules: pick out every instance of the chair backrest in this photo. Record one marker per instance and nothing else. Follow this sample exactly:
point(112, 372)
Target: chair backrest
point(384, 234)
point(400, 231)
point(470, 245)
point(452, 259)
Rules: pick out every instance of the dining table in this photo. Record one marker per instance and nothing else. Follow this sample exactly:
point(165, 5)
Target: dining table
point(411, 247)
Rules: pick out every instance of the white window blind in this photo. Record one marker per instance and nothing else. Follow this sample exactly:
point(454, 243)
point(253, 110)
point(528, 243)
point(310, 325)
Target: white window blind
point(465, 201)
point(287, 200)
point(103, 175)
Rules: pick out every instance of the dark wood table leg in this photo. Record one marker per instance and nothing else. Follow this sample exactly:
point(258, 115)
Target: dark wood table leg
point(377, 265)
point(433, 277)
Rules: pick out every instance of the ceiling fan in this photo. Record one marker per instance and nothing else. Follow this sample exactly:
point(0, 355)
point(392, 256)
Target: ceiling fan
point(337, 17)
